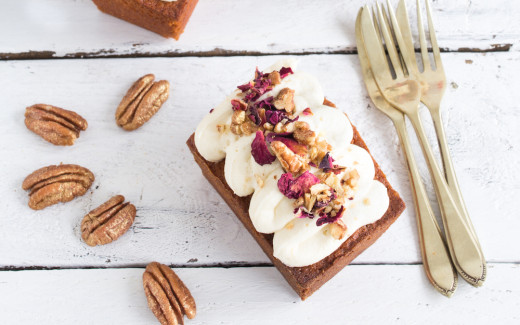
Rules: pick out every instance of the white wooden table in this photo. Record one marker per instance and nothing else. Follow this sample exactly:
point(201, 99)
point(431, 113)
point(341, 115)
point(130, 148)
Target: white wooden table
point(49, 276)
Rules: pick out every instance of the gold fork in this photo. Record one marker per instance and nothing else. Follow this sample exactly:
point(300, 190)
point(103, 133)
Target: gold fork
point(436, 260)
point(433, 86)
point(403, 92)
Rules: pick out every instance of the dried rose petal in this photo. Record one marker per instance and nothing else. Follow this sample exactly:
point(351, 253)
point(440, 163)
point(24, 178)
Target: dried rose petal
point(303, 213)
point(327, 218)
point(327, 162)
point(307, 112)
point(238, 105)
point(259, 150)
point(322, 204)
point(245, 87)
point(287, 139)
point(254, 116)
point(294, 188)
point(274, 117)
point(284, 72)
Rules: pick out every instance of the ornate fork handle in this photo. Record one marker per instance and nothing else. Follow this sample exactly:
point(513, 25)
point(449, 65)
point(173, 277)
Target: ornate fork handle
point(437, 262)
point(464, 248)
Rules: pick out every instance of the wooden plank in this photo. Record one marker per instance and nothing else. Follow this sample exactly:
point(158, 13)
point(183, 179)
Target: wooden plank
point(55, 28)
point(358, 295)
point(181, 220)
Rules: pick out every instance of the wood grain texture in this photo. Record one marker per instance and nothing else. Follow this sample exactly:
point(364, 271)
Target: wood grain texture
point(56, 28)
point(362, 294)
point(180, 219)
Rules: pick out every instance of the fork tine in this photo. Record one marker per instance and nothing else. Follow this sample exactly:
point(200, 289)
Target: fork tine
point(404, 24)
point(422, 39)
point(390, 46)
point(433, 38)
point(374, 48)
point(409, 58)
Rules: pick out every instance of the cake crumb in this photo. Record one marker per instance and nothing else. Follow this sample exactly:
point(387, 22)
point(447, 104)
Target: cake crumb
point(289, 226)
point(366, 201)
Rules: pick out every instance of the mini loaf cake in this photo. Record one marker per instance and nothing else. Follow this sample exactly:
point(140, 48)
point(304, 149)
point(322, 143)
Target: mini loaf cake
point(297, 174)
point(165, 17)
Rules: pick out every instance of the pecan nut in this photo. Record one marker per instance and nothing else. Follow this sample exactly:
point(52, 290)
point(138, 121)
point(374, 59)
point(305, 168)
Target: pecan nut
point(56, 125)
point(168, 297)
point(107, 222)
point(290, 161)
point(141, 102)
point(56, 183)
point(285, 100)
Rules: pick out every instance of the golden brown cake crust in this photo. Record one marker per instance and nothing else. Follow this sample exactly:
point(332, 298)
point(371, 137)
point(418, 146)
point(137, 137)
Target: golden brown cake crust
point(305, 280)
point(165, 18)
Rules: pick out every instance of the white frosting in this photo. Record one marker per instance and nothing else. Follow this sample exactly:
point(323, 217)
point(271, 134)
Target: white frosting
point(297, 242)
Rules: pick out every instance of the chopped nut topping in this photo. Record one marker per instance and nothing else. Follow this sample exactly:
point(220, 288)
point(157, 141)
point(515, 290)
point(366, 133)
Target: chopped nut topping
point(239, 125)
point(285, 100)
point(278, 128)
point(309, 201)
point(259, 181)
point(338, 229)
point(290, 161)
point(320, 189)
point(238, 117)
point(268, 126)
point(222, 128)
point(303, 134)
point(282, 127)
point(274, 77)
point(235, 129)
point(248, 128)
point(298, 202)
point(351, 178)
point(319, 150)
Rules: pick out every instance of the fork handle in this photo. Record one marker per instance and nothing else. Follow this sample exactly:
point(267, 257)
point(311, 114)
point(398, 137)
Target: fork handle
point(451, 178)
point(449, 171)
point(464, 249)
point(436, 260)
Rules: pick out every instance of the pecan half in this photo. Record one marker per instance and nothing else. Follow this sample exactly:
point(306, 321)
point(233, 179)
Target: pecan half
point(56, 125)
point(275, 78)
point(56, 183)
point(107, 222)
point(141, 102)
point(168, 297)
point(303, 134)
point(285, 100)
point(290, 161)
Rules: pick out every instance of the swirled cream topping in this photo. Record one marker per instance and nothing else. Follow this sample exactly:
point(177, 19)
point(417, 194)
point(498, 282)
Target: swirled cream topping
point(303, 233)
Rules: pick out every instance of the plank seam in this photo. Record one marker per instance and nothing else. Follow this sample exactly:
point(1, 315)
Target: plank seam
point(199, 266)
point(109, 54)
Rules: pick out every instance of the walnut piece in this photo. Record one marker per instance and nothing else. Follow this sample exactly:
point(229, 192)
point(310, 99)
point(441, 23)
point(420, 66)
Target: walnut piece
point(141, 102)
point(338, 229)
point(242, 125)
point(107, 222)
point(168, 297)
point(303, 134)
point(290, 161)
point(56, 183)
point(285, 100)
point(56, 125)
point(275, 78)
